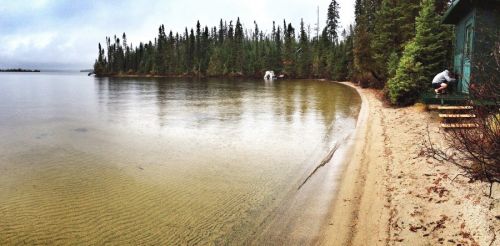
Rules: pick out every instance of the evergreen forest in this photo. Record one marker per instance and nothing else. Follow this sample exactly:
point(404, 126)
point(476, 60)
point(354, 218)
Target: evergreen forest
point(393, 45)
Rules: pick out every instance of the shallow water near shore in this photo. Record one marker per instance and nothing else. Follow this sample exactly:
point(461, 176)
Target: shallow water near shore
point(156, 161)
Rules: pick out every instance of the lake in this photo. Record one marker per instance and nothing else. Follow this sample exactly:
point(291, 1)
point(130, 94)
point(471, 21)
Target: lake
point(168, 161)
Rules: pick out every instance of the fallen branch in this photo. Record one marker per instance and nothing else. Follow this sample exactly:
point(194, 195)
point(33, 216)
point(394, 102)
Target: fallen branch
point(322, 163)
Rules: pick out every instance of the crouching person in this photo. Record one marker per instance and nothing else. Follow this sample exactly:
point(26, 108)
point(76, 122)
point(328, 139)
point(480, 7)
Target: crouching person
point(441, 81)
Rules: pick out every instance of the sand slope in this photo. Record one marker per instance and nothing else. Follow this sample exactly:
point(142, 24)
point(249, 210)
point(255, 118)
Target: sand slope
point(391, 194)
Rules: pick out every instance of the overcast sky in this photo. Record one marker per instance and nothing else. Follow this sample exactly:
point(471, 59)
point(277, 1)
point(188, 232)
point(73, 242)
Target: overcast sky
point(63, 34)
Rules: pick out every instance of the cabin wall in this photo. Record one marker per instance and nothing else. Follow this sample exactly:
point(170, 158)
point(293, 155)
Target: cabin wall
point(459, 47)
point(459, 44)
point(487, 37)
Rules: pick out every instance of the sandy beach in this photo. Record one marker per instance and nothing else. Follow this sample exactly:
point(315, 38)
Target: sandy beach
point(392, 194)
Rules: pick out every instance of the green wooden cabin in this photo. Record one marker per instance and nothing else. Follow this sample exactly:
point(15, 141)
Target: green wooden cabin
point(477, 32)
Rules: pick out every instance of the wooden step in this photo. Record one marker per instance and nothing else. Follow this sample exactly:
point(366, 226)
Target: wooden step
point(459, 125)
point(455, 107)
point(457, 115)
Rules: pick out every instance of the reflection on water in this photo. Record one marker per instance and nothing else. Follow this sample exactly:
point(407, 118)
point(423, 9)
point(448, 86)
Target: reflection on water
point(204, 103)
point(152, 161)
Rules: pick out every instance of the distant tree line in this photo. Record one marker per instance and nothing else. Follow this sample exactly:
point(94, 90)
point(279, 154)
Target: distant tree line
point(20, 70)
point(230, 50)
point(394, 45)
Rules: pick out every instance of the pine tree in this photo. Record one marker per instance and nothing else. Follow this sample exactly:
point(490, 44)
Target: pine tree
point(170, 56)
point(304, 54)
point(99, 65)
point(363, 61)
point(238, 47)
point(220, 38)
point(204, 51)
point(363, 54)
point(289, 51)
point(340, 59)
point(332, 21)
point(434, 41)
point(349, 53)
point(228, 50)
point(197, 48)
point(161, 48)
point(325, 49)
point(191, 44)
point(278, 44)
point(358, 11)
point(125, 52)
point(389, 37)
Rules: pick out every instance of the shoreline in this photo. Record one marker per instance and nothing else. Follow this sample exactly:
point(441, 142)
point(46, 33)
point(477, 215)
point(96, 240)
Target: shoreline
point(194, 76)
point(19, 71)
point(188, 76)
point(342, 219)
point(391, 194)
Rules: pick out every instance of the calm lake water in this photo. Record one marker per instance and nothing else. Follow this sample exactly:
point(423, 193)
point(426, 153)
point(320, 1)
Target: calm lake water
point(168, 161)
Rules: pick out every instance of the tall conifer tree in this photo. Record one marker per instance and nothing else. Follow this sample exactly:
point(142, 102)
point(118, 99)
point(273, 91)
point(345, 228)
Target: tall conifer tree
point(332, 20)
point(304, 54)
point(389, 37)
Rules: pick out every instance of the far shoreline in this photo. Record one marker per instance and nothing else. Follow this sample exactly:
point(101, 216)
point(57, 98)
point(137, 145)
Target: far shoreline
point(125, 75)
point(19, 70)
point(195, 76)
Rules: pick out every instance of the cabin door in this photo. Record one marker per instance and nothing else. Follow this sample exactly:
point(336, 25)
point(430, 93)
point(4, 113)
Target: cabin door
point(466, 64)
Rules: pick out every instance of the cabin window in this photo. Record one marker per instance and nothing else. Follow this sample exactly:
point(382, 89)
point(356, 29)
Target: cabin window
point(468, 41)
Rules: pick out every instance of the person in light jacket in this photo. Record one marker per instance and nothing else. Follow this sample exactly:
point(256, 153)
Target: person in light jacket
point(441, 81)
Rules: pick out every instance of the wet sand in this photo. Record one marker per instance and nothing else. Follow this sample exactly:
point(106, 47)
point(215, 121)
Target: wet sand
point(391, 194)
